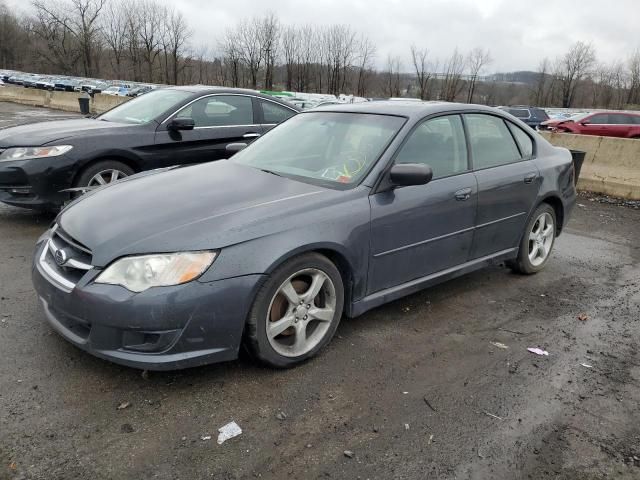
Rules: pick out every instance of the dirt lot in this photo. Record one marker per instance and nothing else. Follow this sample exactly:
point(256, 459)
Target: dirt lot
point(415, 389)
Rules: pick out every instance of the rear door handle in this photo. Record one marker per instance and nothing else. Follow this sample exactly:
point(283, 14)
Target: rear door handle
point(530, 178)
point(251, 135)
point(463, 194)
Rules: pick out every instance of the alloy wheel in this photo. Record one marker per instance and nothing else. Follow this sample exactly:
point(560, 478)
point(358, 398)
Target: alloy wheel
point(541, 239)
point(106, 176)
point(301, 312)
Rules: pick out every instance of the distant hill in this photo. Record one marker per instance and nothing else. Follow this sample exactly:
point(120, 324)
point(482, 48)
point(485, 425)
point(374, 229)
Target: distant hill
point(527, 77)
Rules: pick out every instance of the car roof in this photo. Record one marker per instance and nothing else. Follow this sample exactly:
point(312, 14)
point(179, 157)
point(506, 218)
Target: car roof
point(206, 89)
point(411, 109)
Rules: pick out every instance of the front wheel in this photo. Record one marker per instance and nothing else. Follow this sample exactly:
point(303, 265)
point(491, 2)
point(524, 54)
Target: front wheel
point(102, 173)
point(537, 241)
point(296, 312)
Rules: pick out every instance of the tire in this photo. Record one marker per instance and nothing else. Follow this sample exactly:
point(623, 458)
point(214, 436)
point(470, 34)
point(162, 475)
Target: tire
point(298, 335)
point(527, 262)
point(88, 177)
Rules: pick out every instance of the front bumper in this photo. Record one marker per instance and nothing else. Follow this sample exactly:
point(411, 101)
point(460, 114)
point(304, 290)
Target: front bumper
point(163, 328)
point(37, 183)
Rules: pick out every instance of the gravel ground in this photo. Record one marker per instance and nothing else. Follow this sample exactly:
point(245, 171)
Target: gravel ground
point(414, 389)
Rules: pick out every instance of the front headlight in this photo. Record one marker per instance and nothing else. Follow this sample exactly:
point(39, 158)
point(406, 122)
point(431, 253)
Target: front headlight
point(27, 153)
point(140, 273)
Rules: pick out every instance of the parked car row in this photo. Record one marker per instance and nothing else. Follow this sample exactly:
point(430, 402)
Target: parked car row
point(333, 212)
point(73, 84)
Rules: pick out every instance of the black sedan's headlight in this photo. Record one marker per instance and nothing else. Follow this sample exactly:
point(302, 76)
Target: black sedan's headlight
point(27, 153)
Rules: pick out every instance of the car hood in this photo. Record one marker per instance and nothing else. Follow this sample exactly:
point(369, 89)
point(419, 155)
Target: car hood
point(555, 121)
point(202, 207)
point(36, 134)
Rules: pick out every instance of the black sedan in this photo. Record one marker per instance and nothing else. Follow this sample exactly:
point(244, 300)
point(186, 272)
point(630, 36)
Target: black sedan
point(44, 165)
point(334, 212)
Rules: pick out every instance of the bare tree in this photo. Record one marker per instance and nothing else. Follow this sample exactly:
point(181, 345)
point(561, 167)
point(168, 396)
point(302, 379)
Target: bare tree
point(232, 58)
point(150, 22)
point(573, 67)
point(75, 19)
point(540, 93)
point(249, 47)
point(366, 54)
point(114, 32)
point(477, 60)
point(392, 76)
point(452, 81)
point(60, 50)
point(176, 33)
point(269, 37)
point(290, 50)
point(633, 65)
point(424, 73)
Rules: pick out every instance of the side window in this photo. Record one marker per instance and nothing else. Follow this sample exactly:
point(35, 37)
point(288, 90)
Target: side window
point(274, 113)
point(439, 143)
point(219, 111)
point(600, 119)
point(621, 119)
point(524, 140)
point(491, 142)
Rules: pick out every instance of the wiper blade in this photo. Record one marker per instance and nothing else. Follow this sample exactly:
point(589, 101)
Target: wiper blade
point(271, 172)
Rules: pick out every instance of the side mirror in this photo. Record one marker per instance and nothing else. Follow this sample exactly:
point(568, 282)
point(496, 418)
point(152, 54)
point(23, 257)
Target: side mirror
point(235, 147)
point(405, 174)
point(182, 124)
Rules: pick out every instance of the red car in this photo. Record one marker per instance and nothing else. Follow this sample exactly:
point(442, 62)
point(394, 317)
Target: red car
point(606, 124)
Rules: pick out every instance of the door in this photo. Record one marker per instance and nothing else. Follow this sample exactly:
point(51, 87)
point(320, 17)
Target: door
point(620, 124)
point(219, 120)
point(420, 230)
point(508, 182)
point(272, 113)
point(597, 124)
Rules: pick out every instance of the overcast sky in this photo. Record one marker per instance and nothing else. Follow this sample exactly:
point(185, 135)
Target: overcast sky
point(519, 33)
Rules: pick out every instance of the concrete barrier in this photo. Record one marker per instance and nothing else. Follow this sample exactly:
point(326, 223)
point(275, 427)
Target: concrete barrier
point(102, 103)
point(611, 166)
point(67, 101)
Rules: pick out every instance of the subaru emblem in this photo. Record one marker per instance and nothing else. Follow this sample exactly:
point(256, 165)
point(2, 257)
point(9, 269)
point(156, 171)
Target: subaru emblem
point(60, 256)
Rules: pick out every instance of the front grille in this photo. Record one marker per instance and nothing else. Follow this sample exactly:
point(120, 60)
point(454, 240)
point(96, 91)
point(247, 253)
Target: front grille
point(65, 260)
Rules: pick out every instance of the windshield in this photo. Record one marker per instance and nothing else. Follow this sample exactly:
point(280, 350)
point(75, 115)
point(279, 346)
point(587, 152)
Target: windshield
point(147, 107)
point(325, 147)
point(579, 117)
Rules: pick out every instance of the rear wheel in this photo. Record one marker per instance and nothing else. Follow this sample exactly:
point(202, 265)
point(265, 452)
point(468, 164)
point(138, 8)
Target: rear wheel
point(537, 241)
point(296, 312)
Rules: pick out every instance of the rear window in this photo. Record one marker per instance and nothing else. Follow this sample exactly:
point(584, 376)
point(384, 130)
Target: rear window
point(519, 112)
point(540, 114)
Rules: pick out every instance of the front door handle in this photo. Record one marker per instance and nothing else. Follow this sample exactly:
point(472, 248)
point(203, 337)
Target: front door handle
point(463, 194)
point(251, 135)
point(530, 178)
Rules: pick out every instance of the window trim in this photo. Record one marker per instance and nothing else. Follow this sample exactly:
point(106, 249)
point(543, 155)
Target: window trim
point(418, 125)
point(491, 114)
point(534, 145)
point(261, 112)
point(254, 124)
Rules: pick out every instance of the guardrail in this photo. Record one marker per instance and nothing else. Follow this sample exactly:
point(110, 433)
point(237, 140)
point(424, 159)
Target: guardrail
point(67, 101)
point(611, 166)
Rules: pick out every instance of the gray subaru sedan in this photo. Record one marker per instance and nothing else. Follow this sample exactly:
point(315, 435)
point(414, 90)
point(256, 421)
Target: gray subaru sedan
point(334, 212)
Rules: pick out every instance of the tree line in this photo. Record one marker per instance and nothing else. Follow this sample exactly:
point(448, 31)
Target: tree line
point(145, 41)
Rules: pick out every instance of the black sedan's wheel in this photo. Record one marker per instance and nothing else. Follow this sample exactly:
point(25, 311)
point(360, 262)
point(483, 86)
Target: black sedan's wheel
point(296, 312)
point(537, 241)
point(102, 173)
